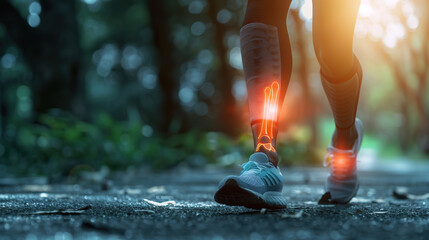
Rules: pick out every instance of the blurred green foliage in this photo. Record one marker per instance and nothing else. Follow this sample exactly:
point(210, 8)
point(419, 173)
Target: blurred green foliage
point(59, 143)
point(154, 83)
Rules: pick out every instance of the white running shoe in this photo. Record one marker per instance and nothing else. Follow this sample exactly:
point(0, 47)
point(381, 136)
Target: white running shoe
point(342, 183)
point(258, 186)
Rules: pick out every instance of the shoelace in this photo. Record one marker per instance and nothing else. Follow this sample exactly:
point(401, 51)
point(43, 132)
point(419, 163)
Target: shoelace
point(342, 162)
point(253, 165)
point(249, 165)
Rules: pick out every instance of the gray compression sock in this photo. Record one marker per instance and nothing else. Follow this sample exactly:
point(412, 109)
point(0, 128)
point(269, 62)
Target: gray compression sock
point(260, 50)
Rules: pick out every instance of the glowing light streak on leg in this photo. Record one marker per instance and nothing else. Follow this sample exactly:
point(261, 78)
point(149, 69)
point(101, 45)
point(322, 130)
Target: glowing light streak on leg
point(273, 107)
point(270, 114)
point(264, 131)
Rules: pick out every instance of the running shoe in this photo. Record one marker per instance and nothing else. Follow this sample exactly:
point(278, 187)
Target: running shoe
point(258, 186)
point(342, 183)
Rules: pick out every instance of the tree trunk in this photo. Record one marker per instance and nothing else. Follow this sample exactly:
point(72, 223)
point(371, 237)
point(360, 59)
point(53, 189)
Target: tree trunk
point(229, 112)
point(3, 107)
point(172, 111)
point(303, 73)
point(404, 131)
point(52, 52)
point(413, 97)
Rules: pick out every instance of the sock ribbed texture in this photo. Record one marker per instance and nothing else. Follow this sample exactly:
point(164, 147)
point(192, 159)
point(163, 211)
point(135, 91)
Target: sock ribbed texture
point(343, 96)
point(260, 50)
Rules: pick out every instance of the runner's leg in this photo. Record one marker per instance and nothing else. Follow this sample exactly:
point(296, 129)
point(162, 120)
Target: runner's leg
point(333, 29)
point(267, 62)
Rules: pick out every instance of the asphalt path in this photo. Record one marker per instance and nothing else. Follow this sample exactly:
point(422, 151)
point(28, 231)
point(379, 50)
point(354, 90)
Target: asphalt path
point(179, 205)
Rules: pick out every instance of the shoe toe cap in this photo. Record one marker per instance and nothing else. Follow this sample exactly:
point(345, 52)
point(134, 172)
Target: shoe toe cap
point(223, 181)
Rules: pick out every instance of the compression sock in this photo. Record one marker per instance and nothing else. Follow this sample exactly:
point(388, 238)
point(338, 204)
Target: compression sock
point(343, 97)
point(260, 50)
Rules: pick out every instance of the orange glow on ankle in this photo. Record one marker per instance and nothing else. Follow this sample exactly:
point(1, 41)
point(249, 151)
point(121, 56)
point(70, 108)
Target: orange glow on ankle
point(270, 115)
point(341, 162)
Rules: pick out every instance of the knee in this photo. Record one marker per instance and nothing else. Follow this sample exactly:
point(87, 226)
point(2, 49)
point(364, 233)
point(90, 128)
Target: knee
point(324, 56)
point(333, 60)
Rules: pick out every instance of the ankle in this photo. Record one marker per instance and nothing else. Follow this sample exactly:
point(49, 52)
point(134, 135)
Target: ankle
point(273, 157)
point(256, 130)
point(265, 144)
point(345, 138)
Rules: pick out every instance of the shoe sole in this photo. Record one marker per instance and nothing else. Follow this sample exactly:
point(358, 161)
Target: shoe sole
point(345, 200)
point(348, 199)
point(232, 194)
